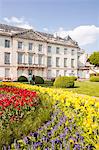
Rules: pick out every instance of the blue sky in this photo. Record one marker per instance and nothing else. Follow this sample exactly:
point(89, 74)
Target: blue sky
point(79, 18)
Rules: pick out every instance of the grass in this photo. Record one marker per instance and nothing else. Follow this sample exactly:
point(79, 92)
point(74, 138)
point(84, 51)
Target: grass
point(86, 87)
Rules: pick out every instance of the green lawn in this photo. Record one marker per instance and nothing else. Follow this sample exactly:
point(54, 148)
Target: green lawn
point(81, 87)
point(86, 87)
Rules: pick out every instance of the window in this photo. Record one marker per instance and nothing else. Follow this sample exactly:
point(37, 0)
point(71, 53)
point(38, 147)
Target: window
point(40, 60)
point(30, 46)
point(30, 59)
point(72, 73)
point(72, 52)
point(57, 50)
point(57, 61)
point(20, 55)
point(7, 58)
point(19, 45)
point(57, 73)
point(65, 72)
point(65, 50)
point(78, 57)
point(48, 61)
point(72, 63)
point(65, 62)
point(7, 43)
point(40, 47)
point(7, 72)
point(49, 49)
point(49, 74)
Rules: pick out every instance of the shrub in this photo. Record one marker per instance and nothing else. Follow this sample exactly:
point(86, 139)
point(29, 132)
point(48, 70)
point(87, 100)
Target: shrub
point(53, 79)
point(73, 78)
point(94, 79)
point(39, 80)
point(97, 74)
point(22, 79)
point(92, 74)
point(64, 82)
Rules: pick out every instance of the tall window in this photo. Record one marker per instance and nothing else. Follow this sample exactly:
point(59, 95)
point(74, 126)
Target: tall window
point(57, 73)
point(78, 57)
point(48, 61)
point(19, 45)
point(65, 62)
point(7, 43)
point(49, 49)
point(30, 57)
point(40, 47)
point(72, 63)
point(20, 55)
point(30, 46)
point(65, 72)
point(49, 74)
point(7, 58)
point(40, 58)
point(57, 61)
point(72, 52)
point(57, 50)
point(65, 50)
point(7, 72)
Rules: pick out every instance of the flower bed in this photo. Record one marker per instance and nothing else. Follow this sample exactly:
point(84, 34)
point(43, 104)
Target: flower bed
point(59, 133)
point(14, 102)
point(82, 115)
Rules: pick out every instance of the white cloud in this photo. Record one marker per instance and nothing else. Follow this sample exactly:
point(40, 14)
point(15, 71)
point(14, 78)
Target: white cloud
point(45, 29)
point(82, 34)
point(19, 22)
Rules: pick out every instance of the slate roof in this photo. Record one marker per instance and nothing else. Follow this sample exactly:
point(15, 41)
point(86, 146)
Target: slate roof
point(35, 35)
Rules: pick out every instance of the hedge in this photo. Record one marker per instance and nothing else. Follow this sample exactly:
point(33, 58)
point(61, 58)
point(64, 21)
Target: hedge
point(64, 82)
point(94, 79)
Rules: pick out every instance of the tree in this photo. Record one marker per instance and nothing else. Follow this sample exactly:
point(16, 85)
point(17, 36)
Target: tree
point(94, 58)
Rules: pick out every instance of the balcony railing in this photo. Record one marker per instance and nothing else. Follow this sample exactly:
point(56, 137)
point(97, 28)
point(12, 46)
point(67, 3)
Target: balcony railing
point(27, 65)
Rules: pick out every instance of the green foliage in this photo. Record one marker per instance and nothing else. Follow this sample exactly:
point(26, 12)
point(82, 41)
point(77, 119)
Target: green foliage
point(94, 59)
point(92, 74)
point(64, 82)
point(73, 78)
point(22, 79)
point(39, 80)
point(53, 79)
point(94, 79)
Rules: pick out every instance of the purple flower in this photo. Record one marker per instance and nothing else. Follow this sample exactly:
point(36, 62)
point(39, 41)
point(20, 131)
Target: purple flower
point(4, 147)
point(9, 147)
point(62, 135)
point(57, 141)
point(35, 134)
point(53, 144)
point(31, 134)
point(25, 140)
point(77, 147)
point(36, 144)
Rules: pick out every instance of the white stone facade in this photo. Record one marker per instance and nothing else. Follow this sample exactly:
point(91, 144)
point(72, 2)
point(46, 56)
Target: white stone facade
point(48, 56)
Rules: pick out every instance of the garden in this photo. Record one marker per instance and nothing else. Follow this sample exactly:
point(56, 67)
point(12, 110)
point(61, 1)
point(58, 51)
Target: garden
point(39, 118)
